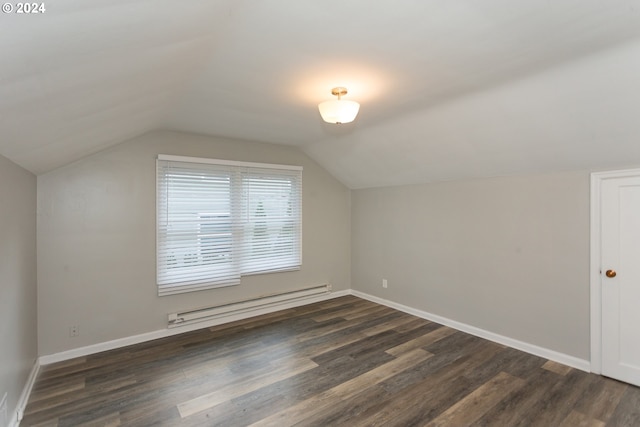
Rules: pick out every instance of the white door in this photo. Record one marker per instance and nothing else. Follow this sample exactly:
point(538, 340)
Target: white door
point(620, 277)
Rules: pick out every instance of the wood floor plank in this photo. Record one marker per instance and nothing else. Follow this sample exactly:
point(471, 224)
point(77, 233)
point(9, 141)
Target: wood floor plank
point(559, 401)
point(116, 393)
point(48, 423)
point(387, 326)
point(319, 348)
point(577, 419)
point(375, 310)
point(48, 369)
point(251, 383)
point(520, 364)
point(343, 412)
point(352, 309)
point(601, 400)
point(627, 413)
point(519, 405)
point(69, 386)
point(472, 407)
point(109, 420)
point(280, 396)
point(556, 367)
point(422, 341)
point(362, 347)
point(413, 402)
point(341, 362)
point(304, 411)
point(73, 399)
point(415, 323)
point(328, 329)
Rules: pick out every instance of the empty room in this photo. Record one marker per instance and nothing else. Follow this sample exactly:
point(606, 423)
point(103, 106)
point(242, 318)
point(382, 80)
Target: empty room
point(320, 213)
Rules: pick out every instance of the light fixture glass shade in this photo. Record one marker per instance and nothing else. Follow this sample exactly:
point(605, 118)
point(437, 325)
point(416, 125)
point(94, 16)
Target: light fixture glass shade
point(339, 111)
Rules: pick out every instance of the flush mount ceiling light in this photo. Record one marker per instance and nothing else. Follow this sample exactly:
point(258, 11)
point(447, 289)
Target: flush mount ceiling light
point(338, 110)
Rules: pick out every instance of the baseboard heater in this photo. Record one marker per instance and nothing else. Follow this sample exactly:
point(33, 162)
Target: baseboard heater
point(245, 306)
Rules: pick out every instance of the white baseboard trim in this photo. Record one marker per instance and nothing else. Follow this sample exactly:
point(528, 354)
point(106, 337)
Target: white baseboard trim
point(162, 333)
point(18, 412)
point(565, 359)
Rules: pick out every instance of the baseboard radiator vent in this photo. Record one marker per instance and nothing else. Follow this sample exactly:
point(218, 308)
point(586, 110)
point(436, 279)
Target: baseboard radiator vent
point(246, 306)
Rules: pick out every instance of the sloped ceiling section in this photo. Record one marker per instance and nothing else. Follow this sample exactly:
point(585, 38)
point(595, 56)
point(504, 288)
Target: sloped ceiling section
point(583, 115)
point(449, 90)
point(85, 75)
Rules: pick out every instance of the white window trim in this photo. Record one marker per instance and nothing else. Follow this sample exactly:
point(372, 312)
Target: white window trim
point(227, 162)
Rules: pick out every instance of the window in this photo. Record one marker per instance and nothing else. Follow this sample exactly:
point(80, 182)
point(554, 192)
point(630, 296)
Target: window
point(218, 220)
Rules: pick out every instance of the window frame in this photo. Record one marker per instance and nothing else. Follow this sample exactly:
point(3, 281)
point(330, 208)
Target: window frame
point(240, 172)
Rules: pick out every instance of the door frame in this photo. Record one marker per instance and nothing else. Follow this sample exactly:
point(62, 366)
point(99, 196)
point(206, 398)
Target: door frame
point(595, 276)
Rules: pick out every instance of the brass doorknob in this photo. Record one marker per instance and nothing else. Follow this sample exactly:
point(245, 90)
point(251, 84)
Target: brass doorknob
point(610, 273)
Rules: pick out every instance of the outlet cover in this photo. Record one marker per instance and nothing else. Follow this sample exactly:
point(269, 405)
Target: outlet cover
point(74, 331)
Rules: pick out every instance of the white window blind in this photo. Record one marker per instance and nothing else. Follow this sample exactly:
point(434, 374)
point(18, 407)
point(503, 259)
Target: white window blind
point(218, 220)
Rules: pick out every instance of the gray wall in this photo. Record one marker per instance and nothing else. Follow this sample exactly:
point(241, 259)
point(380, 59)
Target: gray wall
point(508, 255)
point(96, 239)
point(18, 305)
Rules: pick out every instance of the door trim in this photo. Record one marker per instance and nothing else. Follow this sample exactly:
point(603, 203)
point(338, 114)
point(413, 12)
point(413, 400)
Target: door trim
point(595, 277)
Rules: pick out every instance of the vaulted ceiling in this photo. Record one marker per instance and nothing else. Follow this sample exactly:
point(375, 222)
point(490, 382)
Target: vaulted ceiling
point(449, 89)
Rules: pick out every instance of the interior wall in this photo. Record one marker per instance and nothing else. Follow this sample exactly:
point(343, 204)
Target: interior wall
point(509, 255)
point(18, 281)
point(96, 239)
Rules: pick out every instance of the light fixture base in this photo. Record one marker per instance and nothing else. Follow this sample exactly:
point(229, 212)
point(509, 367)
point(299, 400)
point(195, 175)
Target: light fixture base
point(339, 91)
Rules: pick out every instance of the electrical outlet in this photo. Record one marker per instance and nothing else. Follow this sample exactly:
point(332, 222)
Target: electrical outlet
point(74, 331)
point(3, 410)
point(384, 283)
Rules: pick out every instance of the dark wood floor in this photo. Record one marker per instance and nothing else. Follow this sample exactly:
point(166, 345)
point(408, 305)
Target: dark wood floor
point(340, 362)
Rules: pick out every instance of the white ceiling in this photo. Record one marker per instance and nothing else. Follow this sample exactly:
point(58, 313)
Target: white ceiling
point(449, 89)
